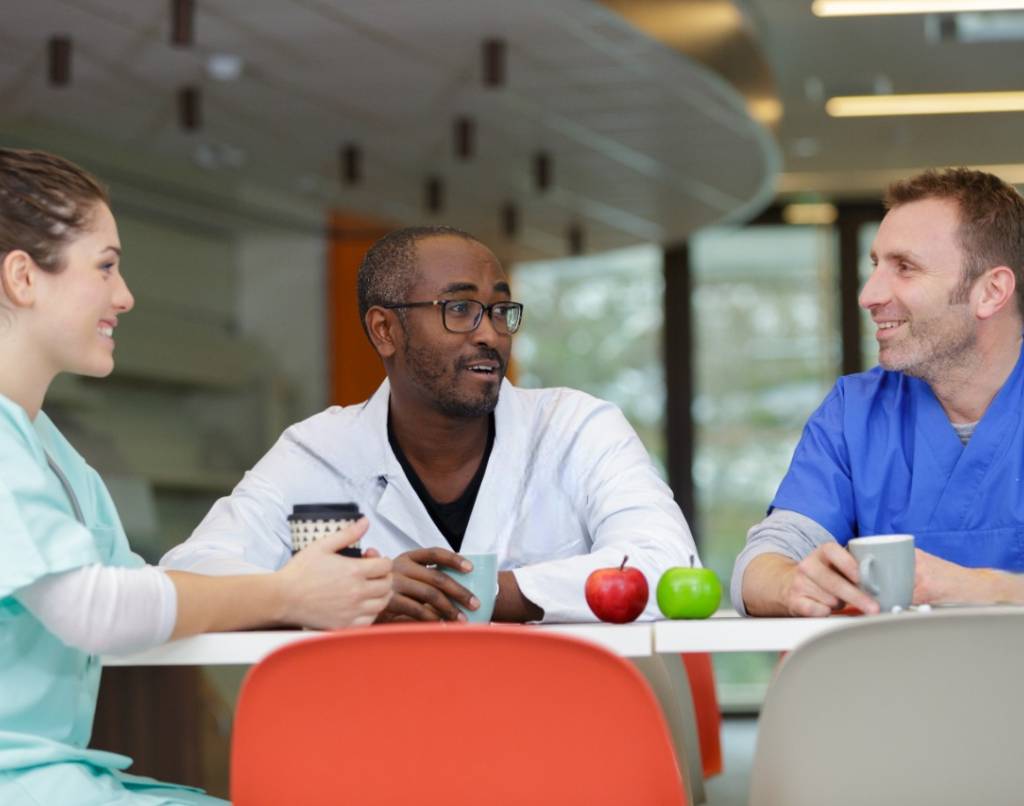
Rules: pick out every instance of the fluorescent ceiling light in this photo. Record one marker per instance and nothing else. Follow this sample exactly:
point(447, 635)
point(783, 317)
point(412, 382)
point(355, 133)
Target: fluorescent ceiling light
point(872, 182)
point(817, 213)
point(938, 103)
point(862, 8)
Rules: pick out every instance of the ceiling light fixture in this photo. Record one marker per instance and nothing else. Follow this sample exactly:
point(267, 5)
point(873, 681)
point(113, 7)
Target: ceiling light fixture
point(188, 108)
point(494, 54)
point(813, 213)
point(542, 170)
point(434, 195)
point(351, 164)
point(575, 240)
point(937, 103)
point(465, 138)
point(60, 61)
point(510, 220)
point(182, 16)
point(224, 66)
point(865, 8)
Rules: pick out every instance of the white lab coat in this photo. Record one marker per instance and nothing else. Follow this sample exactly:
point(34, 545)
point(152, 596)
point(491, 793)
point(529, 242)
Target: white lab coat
point(569, 488)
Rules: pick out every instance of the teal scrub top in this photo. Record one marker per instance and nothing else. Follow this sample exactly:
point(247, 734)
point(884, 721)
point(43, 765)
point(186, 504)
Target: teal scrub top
point(47, 689)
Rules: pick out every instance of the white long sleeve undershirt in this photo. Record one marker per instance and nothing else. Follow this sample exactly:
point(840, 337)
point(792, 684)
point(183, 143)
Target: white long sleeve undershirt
point(103, 609)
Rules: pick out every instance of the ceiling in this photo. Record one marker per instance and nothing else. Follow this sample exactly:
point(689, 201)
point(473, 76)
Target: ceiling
point(815, 58)
point(646, 144)
point(644, 106)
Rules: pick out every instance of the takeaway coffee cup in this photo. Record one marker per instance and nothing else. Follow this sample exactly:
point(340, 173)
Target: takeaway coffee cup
point(311, 522)
point(482, 581)
point(886, 565)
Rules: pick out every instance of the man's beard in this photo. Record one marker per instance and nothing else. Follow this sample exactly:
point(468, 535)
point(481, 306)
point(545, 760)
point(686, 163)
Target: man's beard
point(935, 348)
point(428, 371)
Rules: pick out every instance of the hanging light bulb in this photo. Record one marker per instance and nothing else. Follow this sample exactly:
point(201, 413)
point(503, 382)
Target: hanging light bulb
point(60, 61)
point(351, 164)
point(434, 193)
point(510, 220)
point(465, 138)
point(575, 239)
point(542, 170)
point(189, 108)
point(494, 62)
point(182, 17)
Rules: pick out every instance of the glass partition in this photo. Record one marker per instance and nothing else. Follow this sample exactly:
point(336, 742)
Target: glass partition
point(595, 323)
point(868, 343)
point(767, 346)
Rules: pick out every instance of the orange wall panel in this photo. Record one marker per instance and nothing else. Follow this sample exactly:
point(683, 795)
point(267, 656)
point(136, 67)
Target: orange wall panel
point(355, 369)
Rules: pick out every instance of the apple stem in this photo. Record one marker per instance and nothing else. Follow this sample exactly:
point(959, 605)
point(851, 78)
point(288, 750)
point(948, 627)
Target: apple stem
point(623, 562)
point(691, 561)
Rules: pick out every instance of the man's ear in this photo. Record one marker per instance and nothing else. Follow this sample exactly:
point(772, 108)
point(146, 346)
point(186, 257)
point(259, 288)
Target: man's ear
point(995, 291)
point(18, 278)
point(385, 331)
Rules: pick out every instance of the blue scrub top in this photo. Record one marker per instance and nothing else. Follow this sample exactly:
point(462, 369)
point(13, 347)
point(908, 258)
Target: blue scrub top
point(47, 689)
point(880, 456)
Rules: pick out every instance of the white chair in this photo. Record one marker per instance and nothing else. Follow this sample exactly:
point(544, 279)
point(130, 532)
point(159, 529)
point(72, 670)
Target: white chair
point(917, 708)
point(667, 678)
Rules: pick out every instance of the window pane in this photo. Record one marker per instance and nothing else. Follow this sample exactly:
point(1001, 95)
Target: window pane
point(767, 341)
point(594, 323)
point(868, 343)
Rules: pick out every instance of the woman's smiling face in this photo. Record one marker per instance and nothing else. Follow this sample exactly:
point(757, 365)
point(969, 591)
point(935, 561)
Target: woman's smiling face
point(79, 304)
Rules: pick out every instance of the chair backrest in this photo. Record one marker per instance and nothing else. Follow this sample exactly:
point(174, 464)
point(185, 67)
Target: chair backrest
point(449, 714)
point(907, 709)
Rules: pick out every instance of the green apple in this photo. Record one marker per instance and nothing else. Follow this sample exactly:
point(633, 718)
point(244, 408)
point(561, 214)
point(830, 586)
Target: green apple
point(688, 592)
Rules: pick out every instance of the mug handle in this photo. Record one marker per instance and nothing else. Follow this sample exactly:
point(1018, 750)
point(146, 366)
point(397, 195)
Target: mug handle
point(865, 576)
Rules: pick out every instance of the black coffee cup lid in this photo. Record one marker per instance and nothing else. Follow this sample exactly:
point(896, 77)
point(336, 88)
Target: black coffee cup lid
point(325, 512)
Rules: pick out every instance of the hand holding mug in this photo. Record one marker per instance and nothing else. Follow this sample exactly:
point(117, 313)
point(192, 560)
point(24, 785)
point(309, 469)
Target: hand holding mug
point(422, 592)
point(885, 565)
point(824, 581)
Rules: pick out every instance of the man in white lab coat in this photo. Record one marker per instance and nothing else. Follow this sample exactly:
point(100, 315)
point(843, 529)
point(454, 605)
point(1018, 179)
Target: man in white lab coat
point(448, 458)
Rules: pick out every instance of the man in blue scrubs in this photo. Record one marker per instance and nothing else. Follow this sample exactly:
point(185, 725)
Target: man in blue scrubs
point(931, 441)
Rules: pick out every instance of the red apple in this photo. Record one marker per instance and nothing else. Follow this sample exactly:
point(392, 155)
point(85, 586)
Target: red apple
point(618, 594)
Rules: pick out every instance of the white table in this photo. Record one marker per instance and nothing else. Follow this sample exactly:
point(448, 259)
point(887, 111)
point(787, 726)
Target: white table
point(245, 648)
point(725, 632)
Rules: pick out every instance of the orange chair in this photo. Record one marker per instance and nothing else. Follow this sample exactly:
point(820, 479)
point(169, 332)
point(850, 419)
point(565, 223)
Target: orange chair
point(449, 714)
point(705, 706)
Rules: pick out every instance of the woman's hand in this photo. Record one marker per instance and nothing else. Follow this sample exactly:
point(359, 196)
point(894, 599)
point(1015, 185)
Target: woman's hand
point(324, 590)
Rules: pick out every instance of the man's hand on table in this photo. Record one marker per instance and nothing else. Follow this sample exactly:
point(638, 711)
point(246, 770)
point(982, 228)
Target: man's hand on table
point(821, 583)
point(511, 605)
point(938, 581)
point(426, 594)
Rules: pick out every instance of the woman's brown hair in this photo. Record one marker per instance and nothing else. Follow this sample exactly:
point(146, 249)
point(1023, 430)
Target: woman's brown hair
point(45, 201)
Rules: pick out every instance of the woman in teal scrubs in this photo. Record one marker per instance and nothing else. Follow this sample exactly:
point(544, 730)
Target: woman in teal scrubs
point(70, 587)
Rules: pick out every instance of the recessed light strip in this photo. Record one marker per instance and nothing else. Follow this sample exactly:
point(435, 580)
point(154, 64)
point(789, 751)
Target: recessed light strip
point(864, 8)
point(938, 103)
point(810, 213)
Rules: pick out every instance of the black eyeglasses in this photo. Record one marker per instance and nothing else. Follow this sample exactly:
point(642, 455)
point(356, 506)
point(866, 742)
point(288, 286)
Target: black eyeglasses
point(465, 315)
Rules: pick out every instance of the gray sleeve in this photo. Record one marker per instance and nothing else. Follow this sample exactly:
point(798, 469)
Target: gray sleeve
point(783, 532)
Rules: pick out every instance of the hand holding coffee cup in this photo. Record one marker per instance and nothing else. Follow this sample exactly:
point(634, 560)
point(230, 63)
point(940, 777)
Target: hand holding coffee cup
point(312, 522)
point(322, 590)
point(886, 567)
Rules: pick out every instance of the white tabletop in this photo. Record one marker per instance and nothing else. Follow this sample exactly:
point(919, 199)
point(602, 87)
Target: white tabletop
point(245, 648)
point(726, 631)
